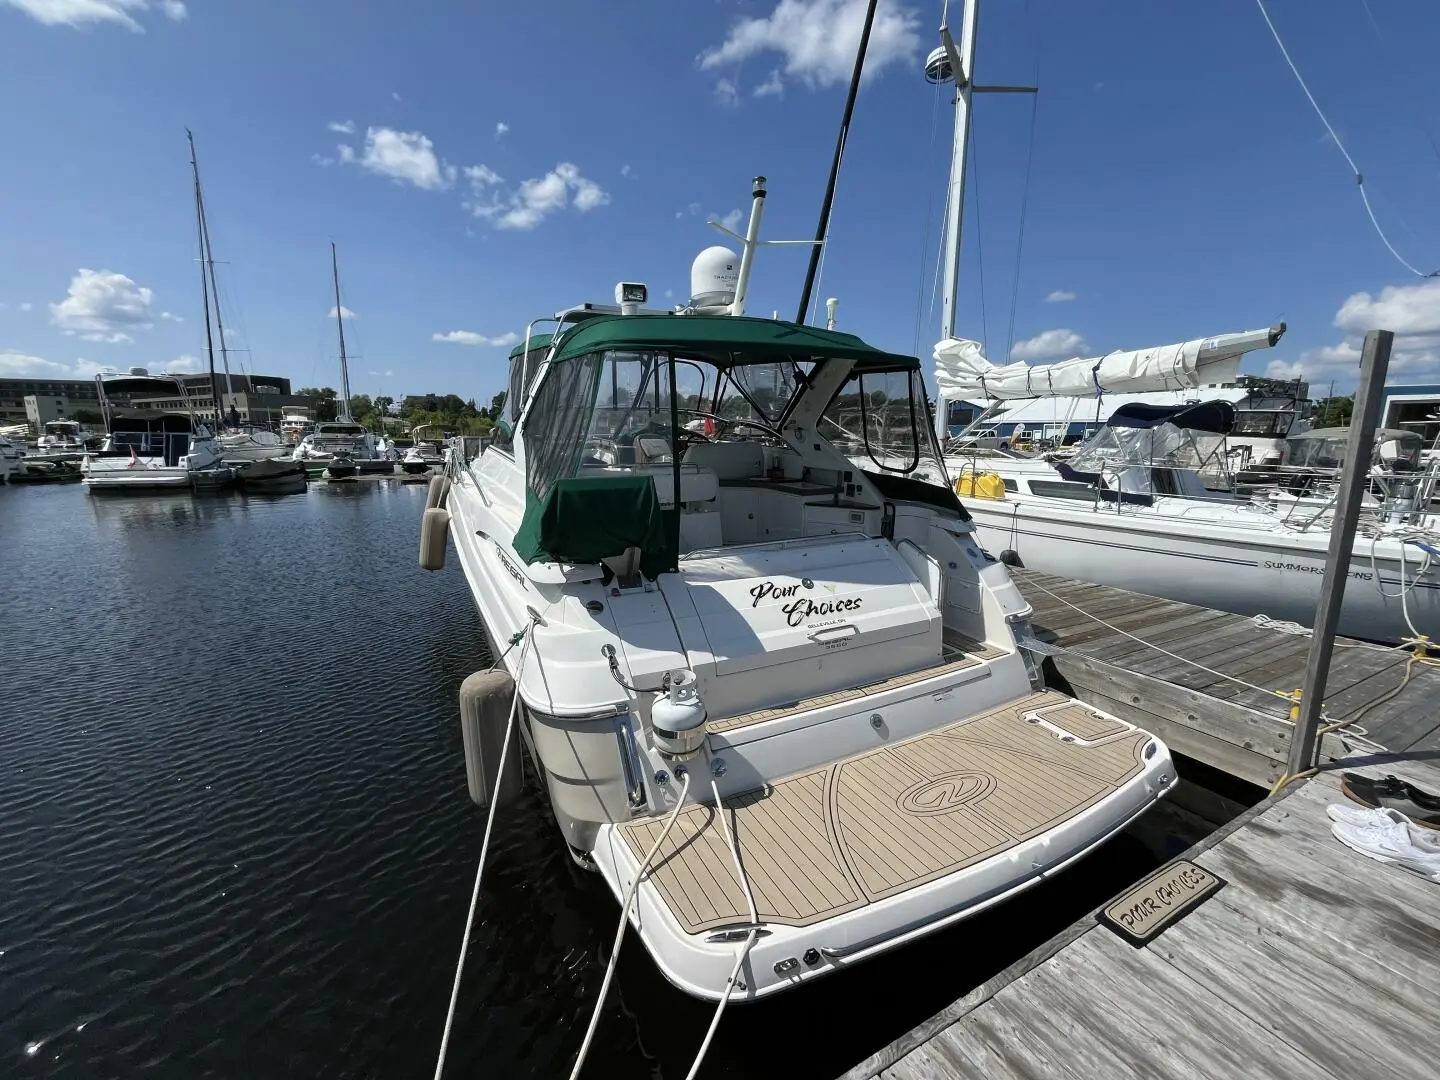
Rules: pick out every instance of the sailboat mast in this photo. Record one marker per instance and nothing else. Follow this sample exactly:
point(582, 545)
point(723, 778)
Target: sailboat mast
point(340, 328)
point(204, 280)
point(946, 64)
point(209, 257)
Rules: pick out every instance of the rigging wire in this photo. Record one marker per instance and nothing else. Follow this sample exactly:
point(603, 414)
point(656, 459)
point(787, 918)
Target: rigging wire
point(929, 220)
point(1020, 239)
point(979, 242)
point(1025, 190)
point(1359, 176)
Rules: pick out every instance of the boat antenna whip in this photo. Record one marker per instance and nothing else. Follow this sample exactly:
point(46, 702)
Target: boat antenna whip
point(822, 230)
point(1359, 176)
point(526, 642)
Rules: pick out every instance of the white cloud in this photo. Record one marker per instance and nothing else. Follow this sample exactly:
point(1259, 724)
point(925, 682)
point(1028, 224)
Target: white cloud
point(625, 170)
point(344, 127)
point(14, 365)
point(481, 176)
point(537, 198)
point(771, 87)
point(404, 156)
point(26, 306)
point(692, 210)
point(1405, 309)
point(168, 317)
point(727, 93)
point(732, 220)
point(101, 306)
point(395, 95)
point(184, 362)
point(1049, 345)
point(818, 38)
point(84, 12)
point(343, 311)
point(1060, 296)
point(500, 129)
point(1411, 311)
point(470, 337)
point(323, 161)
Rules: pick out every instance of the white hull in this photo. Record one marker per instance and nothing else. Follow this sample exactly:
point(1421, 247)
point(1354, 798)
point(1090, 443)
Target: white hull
point(144, 477)
point(592, 815)
point(254, 451)
point(1262, 570)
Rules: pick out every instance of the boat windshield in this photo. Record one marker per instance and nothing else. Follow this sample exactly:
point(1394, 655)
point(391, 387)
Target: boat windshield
point(1275, 423)
point(881, 420)
point(635, 408)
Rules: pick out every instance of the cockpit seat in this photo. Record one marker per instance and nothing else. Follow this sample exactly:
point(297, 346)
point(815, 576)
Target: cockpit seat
point(728, 460)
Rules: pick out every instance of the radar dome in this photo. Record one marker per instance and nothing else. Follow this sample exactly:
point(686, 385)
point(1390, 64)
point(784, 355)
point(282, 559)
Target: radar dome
point(138, 371)
point(713, 277)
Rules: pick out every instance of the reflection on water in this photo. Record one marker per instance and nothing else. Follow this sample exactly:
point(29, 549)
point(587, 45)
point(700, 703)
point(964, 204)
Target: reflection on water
point(237, 843)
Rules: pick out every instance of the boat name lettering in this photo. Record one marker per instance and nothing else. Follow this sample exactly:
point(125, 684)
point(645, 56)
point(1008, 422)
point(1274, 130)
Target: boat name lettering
point(1165, 894)
point(1307, 568)
point(801, 609)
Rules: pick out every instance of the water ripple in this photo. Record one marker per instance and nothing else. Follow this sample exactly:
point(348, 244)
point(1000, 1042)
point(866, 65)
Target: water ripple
point(237, 842)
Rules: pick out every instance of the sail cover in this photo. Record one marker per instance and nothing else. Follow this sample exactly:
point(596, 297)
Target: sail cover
point(961, 369)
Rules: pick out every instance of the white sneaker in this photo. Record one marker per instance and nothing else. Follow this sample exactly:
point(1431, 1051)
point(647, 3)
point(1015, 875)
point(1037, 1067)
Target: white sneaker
point(1358, 816)
point(1394, 841)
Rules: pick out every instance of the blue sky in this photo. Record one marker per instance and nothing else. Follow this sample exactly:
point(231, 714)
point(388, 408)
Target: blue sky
point(496, 162)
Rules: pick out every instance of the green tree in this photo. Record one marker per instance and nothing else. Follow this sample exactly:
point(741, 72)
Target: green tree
point(322, 400)
point(1334, 411)
point(382, 404)
point(497, 404)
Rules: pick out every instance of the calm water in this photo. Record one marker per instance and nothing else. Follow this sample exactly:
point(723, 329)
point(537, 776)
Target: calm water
point(235, 839)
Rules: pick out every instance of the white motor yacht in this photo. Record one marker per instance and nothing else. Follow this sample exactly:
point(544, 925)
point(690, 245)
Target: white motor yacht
point(332, 437)
point(147, 449)
point(295, 423)
point(63, 438)
point(12, 458)
point(730, 630)
point(252, 443)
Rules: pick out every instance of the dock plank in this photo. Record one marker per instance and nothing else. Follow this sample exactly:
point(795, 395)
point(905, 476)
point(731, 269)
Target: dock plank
point(1312, 962)
point(1237, 700)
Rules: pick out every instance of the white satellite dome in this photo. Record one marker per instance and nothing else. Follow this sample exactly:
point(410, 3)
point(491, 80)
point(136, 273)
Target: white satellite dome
point(139, 371)
point(713, 277)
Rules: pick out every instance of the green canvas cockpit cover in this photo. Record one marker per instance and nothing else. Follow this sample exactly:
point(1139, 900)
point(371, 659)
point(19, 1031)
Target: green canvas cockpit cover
point(584, 519)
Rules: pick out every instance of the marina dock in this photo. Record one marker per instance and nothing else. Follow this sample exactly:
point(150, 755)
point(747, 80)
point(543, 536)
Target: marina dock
point(1195, 704)
point(1309, 962)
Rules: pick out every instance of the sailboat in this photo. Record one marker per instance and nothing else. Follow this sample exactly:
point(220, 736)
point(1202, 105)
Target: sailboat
point(778, 700)
point(236, 443)
point(1130, 508)
point(340, 448)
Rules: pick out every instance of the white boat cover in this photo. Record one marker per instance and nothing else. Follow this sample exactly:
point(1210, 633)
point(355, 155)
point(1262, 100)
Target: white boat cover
point(961, 369)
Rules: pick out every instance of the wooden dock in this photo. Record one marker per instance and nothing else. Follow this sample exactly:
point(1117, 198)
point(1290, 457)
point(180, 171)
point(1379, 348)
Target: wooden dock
point(1312, 962)
point(1205, 716)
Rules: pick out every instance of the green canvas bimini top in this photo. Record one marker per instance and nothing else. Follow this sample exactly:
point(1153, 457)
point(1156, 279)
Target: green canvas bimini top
point(537, 341)
point(726, 340)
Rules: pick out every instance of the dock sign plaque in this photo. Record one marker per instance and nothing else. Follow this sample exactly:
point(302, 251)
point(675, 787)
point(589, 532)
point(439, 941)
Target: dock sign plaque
point(1160, 900)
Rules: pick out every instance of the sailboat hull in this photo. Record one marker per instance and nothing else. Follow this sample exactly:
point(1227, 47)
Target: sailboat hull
point(1273, 573)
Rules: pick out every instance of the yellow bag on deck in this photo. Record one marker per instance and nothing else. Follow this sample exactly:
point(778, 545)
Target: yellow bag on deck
point(985, 485)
